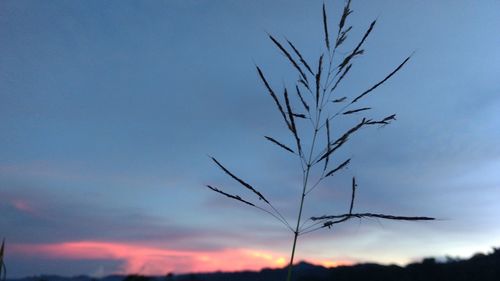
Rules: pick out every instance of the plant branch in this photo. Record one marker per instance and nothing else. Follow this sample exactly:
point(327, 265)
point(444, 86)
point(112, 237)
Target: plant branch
point(238, 198)
point(382, 81)
point(248, 186)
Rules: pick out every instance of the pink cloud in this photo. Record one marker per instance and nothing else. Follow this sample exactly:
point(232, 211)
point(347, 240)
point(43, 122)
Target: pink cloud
point(23, 206)
point(155, 261)
point(150, 260)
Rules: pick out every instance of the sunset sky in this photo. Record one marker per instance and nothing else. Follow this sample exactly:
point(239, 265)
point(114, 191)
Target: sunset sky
point(108, 110)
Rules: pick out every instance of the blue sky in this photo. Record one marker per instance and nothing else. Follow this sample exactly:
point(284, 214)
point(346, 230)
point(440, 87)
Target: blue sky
point(108, 111)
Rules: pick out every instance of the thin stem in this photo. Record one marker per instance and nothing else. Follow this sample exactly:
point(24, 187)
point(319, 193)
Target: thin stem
point(312, 230)
point(335, 115)
point(304, 188)
point(304, 223)
point(282, 220)
point(330, 58)
point(296, 232)
point(306, 229)
point(315, 184)
point(328, 83)
point(281, 216)
point(325, 150)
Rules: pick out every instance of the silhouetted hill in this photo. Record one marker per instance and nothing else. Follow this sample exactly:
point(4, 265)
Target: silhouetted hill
point(480, 267)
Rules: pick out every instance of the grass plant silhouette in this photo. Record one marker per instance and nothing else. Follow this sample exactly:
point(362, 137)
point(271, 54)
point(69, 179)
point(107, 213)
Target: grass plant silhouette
point(3, 269)
point(316, 91)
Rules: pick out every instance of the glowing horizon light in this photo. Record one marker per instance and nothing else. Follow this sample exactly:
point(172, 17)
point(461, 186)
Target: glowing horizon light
point(329, 264)
point(141, 259)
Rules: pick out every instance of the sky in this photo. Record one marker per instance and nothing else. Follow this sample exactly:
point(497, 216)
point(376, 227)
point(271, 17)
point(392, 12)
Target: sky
point(109, 109)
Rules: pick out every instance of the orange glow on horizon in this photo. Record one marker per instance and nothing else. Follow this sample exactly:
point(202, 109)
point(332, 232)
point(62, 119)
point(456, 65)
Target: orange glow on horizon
point(140, 259)
point(334, 263)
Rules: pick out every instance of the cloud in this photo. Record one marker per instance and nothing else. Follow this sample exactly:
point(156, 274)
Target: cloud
point(23, 206)
point(143, 259)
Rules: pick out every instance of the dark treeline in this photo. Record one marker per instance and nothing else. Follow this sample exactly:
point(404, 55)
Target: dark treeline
point(479, 267)
point(483, 267)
